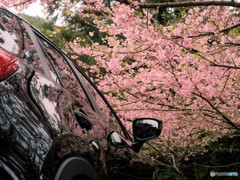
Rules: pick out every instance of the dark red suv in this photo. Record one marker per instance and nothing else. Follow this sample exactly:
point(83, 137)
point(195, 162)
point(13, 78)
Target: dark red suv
point(54, 122)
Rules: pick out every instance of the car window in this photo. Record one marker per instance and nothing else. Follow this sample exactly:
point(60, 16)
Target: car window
point(15, 39)
point(60, 70)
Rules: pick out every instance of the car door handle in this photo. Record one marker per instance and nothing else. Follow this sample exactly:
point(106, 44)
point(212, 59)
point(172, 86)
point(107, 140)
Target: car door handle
point(83, 120)
point(95, 147)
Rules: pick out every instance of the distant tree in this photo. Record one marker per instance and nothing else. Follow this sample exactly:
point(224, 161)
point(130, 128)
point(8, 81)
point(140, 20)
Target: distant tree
point(41, 24)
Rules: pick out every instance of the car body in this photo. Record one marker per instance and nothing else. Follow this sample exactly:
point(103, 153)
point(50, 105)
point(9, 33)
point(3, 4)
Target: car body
point(54, 122)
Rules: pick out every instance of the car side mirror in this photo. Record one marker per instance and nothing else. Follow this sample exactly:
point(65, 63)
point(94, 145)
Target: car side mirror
point(143, 129)
point(117, 140)
point(146, 128)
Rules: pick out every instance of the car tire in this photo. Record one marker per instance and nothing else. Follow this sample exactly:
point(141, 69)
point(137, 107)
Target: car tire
point(76, 168)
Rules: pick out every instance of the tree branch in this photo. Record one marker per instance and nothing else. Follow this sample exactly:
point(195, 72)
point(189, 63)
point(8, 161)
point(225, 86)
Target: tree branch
point(165, 159)
point(218, 111)
point(160, 104)
point(213, 33)
point(183, 4)
point(225, 66)
point(230, 27)
point(233, 44)
point(152, 109)
point(203, 57)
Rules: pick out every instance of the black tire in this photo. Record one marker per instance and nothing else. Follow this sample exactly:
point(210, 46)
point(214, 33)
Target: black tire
point(76, 168)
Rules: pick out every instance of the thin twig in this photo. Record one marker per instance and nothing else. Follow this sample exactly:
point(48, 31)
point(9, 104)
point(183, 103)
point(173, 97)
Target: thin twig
point(218, 111)
point(183, 4)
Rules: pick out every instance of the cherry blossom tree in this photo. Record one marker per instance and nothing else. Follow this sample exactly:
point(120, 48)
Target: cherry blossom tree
point(186, 73)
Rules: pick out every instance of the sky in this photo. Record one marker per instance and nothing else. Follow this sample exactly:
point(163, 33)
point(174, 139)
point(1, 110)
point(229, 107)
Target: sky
point(34, 10)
